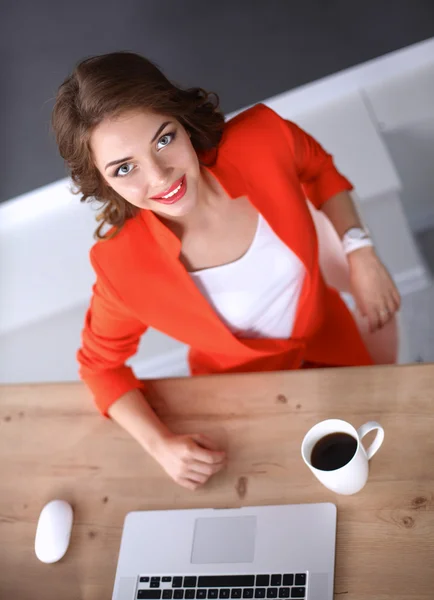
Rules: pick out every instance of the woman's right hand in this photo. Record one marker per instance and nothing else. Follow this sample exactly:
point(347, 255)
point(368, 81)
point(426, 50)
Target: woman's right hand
point(190, 460)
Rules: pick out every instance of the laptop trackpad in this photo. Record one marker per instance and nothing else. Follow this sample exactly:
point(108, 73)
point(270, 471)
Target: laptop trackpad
point(224, 540)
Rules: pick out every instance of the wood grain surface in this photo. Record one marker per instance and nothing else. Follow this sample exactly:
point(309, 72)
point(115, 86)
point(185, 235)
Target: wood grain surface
point(53, 444)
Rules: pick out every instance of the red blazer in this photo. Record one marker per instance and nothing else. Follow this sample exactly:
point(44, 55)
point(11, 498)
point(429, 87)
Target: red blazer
point(140, 281)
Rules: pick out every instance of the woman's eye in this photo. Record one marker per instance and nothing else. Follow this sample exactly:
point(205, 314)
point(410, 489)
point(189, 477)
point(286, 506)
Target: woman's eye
point(165, 140)
point(124, 170)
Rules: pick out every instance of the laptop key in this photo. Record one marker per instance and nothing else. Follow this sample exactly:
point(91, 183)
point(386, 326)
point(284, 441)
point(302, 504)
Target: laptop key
point(232, 581)
point(236, 593)
point(167, 594)
point(224, 593)
point(276, 580)
point(213, 593)
point(262, 580)
point(178, 594)
point(177, 582)
point(144, 579)
point(260, 592)
point(200, 594)
point(166, 579)
point(248, 593)
point(284, 592)
point(298, 592)
point(189, 594)
point(155, 582)
point(149, 595)
point(300, 579)
point(190, 582)
point(272, 592)
point(288, 579)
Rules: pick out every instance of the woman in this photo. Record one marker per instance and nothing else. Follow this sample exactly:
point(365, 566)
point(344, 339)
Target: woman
point(210, 240)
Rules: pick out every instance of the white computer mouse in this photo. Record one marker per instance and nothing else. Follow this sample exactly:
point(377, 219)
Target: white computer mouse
point(53, 531)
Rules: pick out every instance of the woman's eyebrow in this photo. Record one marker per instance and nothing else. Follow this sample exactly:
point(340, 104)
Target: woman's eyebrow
point(121, 160)
point(160, 129)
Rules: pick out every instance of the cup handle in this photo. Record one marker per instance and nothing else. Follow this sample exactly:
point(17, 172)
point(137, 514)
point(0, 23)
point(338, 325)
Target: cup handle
point(379, 438)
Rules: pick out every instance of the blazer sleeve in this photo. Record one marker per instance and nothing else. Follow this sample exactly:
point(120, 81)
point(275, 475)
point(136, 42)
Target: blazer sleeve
point(110, 336)
point(317, 173)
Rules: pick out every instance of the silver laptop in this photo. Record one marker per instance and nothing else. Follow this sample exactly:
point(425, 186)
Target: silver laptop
point(253, 552)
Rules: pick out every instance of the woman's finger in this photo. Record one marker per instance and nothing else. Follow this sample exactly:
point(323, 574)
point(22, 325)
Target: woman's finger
point(380, 315)
point(208, 457)
point(188, 483)
point(362, 308)
point(195, 477)
point(205, 469)
point(373, 318)
point(384, 314)
point(397, 298)
point(205, 442)
point(391, 306)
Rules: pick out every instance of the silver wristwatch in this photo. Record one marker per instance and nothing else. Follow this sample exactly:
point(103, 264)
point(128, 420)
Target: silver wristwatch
point(356, 238)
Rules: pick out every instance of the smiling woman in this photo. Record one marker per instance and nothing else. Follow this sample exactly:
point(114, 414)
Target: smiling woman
point(211, 241)
point(105, 98)
point(160, 161)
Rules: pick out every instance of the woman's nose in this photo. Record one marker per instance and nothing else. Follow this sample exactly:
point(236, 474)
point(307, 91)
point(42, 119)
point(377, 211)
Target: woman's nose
point(159, 175)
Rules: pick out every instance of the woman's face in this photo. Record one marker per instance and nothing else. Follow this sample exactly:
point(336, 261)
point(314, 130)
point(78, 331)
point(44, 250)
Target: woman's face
point(149, 160)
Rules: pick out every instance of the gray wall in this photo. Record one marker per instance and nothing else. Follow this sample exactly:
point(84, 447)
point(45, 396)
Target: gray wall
point(417, 175)
point(246, 50)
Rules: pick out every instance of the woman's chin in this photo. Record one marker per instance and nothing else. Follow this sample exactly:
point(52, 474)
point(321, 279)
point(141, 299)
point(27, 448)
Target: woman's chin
point(177, 210)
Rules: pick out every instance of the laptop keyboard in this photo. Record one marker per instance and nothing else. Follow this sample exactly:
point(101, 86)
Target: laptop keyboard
point(216, 587)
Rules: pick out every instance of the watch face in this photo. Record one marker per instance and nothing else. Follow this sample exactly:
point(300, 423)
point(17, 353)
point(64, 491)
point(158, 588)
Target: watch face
point(357, 234)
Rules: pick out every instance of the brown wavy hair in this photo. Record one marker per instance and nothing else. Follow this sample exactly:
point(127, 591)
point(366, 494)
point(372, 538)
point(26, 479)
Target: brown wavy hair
point(106, 86)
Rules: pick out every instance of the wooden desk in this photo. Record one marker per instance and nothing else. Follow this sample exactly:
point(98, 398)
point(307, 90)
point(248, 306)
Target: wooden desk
point(53, 444)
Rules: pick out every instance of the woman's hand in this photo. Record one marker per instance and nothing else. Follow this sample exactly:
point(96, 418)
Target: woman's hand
point(190, 460)
point(374, 291)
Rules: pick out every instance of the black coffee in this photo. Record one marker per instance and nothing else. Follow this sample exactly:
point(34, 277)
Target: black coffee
point(333, 451)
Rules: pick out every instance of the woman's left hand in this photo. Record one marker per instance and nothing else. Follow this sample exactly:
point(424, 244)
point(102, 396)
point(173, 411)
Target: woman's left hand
point(373, 289)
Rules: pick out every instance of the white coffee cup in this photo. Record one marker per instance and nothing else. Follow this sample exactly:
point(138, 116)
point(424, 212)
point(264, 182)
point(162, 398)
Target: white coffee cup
point(352, 477)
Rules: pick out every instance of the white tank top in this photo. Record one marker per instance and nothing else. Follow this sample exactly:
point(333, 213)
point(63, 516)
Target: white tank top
point(257, 295)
